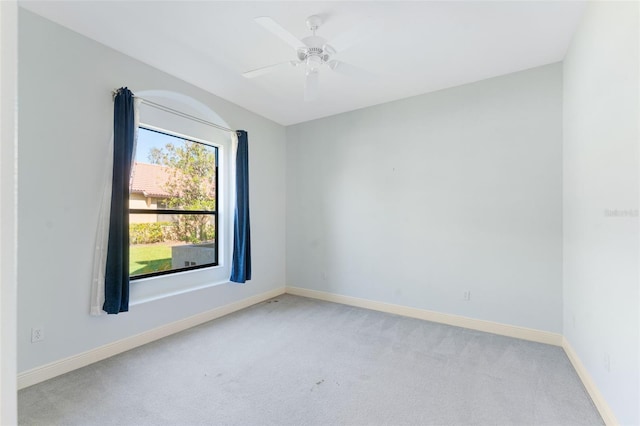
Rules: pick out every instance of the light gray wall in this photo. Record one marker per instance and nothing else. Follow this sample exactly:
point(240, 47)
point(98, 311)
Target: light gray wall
point(65, 121)
point(600, 165)
point(8, 210)
point(415, 202)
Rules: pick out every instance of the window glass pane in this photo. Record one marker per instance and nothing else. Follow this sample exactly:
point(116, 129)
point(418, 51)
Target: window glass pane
point(172, 173)
point(178, 241)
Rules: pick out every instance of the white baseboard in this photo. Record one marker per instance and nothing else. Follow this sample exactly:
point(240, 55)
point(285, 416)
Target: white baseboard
point(48, 371)
point(455, 320)
point(603, 408)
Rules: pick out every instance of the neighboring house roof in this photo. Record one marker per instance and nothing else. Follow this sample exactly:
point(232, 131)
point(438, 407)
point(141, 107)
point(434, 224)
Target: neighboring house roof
point(150, 180)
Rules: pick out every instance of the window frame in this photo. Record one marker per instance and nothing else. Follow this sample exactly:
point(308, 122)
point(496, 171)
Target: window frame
point(157, 211)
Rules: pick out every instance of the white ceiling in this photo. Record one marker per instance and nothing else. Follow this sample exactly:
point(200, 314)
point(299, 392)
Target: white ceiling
point(419, 47)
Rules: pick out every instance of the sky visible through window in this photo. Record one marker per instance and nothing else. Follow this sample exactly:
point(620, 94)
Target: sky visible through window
point(147, 140)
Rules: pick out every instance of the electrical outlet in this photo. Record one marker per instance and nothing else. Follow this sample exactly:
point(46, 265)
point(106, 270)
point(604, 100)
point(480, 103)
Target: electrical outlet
point(467, 295)
point(37, 334)
point(607, 362)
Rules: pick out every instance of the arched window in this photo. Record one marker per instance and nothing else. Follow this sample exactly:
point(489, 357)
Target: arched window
point(180, 226)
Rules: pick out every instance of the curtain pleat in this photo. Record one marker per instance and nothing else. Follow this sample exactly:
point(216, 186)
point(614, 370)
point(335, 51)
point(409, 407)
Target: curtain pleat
point(102, 237)
point(241, 265)
point(116, 288)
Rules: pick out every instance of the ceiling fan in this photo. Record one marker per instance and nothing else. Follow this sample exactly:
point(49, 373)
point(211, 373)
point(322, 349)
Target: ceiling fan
point(312, 52)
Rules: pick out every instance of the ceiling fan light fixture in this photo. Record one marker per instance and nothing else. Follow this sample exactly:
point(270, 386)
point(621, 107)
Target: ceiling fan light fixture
point(313, 62)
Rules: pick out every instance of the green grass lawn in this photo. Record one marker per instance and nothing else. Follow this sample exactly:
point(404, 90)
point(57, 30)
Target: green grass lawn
point(145, 259)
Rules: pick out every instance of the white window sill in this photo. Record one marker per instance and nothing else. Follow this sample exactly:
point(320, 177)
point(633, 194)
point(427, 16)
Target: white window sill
point(146, 290)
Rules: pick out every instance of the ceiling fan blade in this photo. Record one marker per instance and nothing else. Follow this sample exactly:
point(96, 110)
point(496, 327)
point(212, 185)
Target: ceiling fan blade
point(272, 26)
point(354, 36)
point(311, 87)
point(266, 70)
point(347, 69)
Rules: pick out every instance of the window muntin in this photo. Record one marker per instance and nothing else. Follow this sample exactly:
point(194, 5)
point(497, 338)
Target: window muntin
point(173, 205)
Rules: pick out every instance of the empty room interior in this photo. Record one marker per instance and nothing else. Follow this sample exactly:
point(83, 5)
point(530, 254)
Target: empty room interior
point(371, 212)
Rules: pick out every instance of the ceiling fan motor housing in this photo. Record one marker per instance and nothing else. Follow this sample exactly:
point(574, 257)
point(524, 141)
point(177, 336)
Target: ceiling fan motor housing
point(315, 47)
point(306, 52)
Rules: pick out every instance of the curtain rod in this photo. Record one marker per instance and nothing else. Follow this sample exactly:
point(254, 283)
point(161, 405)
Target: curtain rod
point(180, 113)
